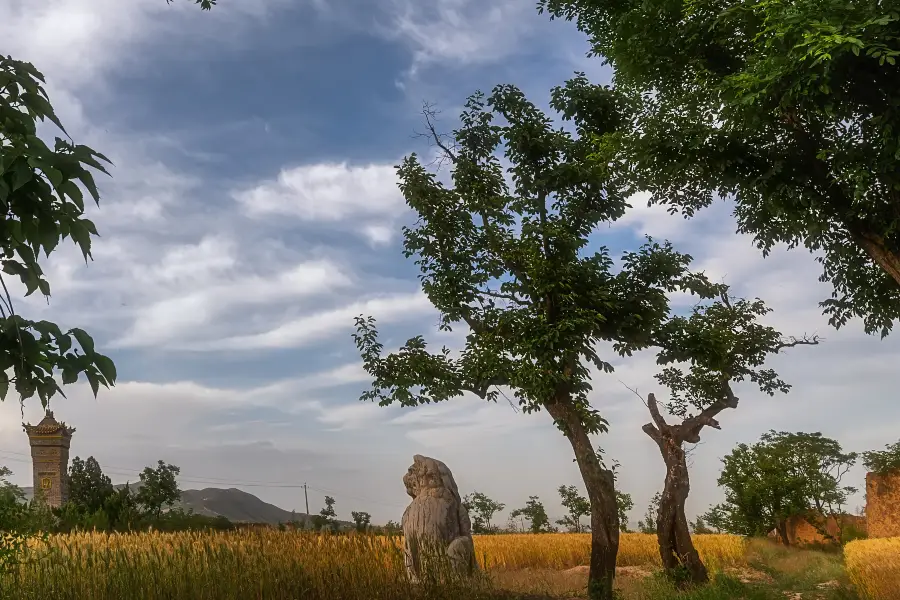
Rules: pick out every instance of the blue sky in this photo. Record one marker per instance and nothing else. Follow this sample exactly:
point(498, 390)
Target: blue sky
point(253, 212)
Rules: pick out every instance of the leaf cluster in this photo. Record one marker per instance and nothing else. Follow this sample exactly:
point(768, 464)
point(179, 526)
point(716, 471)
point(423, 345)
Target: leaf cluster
point(41, 204)
point(717, 344)
point(883, 462)
point(509, 258)
point(789, 106)
point(782, 475)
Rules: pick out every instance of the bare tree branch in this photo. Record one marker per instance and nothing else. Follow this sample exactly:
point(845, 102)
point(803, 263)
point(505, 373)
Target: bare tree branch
point(794, 341)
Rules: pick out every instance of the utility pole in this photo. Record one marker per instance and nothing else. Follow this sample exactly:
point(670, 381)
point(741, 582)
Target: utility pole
point(306, 497)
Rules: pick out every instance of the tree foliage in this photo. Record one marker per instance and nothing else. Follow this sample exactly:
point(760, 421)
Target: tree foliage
point(159, 487)
point(648, 523)
point(781, 476)
point(577, 505)
point(482, 508)
point(42, 200)
point(510, 261)
point(788, 106)
point(89, 487)
point(361, 520)
point(536, 514)
point(883, 462)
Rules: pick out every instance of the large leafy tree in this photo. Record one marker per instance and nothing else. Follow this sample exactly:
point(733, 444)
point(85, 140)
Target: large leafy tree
point(782, 476)
point(159, 488)
point(789, 106)
point(42, 204)
point(703, 353)
point(510, 261)
point(89, 487)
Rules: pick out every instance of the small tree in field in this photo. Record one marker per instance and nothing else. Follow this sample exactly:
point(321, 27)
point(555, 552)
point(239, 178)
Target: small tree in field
point(510, 262)
point(482, 508)
point(648, 523)
point(534, 511)
point(577, 505)
point(361, 520)
point(719, 343)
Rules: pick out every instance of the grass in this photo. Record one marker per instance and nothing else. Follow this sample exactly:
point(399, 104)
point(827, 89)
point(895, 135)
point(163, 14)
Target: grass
point(874, 567)
point(288, 565)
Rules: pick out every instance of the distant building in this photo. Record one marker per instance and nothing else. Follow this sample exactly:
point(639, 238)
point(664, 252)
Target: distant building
point(50, 442)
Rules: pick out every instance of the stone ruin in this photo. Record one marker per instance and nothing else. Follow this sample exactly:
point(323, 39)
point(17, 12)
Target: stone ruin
point(437, 531)
point(883, 505)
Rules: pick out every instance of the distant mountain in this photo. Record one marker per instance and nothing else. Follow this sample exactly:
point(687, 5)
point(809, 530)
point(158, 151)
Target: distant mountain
point(236, 505)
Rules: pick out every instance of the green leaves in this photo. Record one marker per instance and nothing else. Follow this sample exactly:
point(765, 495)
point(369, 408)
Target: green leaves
point(43, 204)
point(788, 107)
point(883, 462)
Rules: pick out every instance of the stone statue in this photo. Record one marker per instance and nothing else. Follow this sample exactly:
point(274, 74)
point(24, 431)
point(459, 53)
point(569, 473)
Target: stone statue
point(435, 524)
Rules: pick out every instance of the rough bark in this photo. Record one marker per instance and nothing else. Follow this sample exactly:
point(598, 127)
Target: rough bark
point(675, 544)
point(676, 548)
point(602, 494)
point(436, 528)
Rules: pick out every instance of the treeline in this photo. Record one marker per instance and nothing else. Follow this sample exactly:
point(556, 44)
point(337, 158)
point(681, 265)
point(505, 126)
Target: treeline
point(95, 504)
point(766, 484)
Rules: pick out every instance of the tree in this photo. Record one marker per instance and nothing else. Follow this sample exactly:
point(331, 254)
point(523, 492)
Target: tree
point(782, 476)
point(123, 508)
point(392, 528)
point(158, 488)
point(577, 505)
point(715, 518)
point(484, 509)
point(699, 527)
point(327, 517)
point(509, 261)
point(624, 504)
point(534, 511)
point(648, 523)
point(89, 488)
point(44, 204)
point(702, 354)
point(362, 520)
point(883, 462)
point(785, 105)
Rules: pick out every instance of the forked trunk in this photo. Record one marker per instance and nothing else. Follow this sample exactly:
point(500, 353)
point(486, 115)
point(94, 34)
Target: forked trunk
point(604, 511)
point(675, 545)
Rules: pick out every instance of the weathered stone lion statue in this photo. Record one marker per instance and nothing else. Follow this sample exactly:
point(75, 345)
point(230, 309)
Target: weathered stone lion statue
point(436, 525)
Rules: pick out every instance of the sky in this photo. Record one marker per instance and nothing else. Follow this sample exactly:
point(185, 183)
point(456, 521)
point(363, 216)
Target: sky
point(253, 212)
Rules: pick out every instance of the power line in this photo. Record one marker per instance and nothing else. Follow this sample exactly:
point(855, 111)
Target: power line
point(128, 472)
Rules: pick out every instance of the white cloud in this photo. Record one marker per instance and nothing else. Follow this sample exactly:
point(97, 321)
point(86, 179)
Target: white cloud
point(307, 329)
point(326, 192)
point(459, 32)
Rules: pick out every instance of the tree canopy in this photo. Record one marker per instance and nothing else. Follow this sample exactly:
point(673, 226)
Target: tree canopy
point(534, 511)
point(509, 259)
point(781, 476)
point(788, 106)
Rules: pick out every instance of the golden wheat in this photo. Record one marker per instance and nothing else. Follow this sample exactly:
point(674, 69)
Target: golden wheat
point(874, 567)
point(565, 550)
point(274, 564)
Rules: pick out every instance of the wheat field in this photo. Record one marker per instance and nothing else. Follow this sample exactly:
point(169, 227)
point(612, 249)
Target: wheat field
point(874, 567)
point(275, 564)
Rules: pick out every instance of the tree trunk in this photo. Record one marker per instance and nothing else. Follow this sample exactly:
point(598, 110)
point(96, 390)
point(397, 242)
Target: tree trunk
point(782, 529)
point(675, 545)
point(602, 494)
